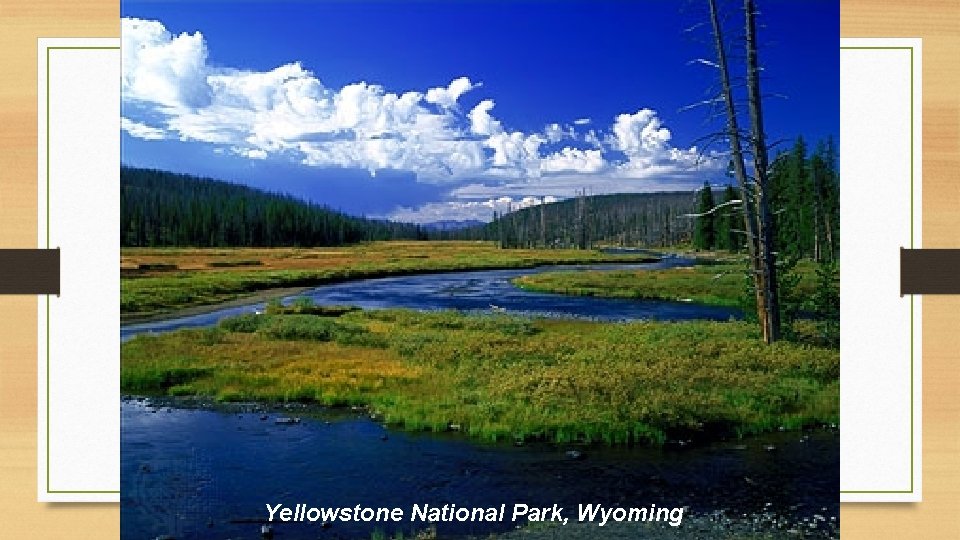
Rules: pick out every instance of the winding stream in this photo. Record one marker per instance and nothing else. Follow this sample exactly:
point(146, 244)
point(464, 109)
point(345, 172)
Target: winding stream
point(473, 290)
point(205, 473)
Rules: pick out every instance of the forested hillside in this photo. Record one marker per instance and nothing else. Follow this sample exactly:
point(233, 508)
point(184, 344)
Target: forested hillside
point(805, 200)
point(634, 219)
point(160, 208)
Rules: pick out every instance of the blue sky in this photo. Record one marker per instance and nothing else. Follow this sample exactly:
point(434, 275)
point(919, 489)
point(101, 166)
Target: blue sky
point(448, 110)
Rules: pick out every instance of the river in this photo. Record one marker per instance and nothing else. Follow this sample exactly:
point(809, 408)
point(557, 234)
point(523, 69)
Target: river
point(472, 290)
point(208, 473)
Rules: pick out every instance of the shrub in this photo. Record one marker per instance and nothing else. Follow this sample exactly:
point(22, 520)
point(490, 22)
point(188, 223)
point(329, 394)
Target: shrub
point(294, 327)
point(305, 306)
point(316, 328)
point(157, 379)
point(247, 323)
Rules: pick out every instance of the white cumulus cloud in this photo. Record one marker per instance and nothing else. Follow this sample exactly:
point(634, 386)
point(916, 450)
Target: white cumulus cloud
point(447, 97)
point(481, 122)
point(161, 68)
point(556, 133)
point(171, 90)
point(573, 160)
point(141, 130)
point(640, 134)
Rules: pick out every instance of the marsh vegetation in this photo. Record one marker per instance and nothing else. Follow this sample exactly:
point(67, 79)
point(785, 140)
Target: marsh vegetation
point(164, 280)
point(500, 377)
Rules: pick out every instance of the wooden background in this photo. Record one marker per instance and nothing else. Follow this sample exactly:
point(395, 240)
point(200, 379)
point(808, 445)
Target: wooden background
point(936, 21)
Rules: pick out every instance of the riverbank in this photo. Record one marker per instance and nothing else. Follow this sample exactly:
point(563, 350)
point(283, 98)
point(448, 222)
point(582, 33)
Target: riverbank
point(162, 283)
point(500, 377)
point(265, 295)
point(716, 284)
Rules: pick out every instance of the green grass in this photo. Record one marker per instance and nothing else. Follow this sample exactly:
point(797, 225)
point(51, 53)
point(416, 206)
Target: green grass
point(209, 276)
point(305, 306)
point(501, 377)
point(721, 284)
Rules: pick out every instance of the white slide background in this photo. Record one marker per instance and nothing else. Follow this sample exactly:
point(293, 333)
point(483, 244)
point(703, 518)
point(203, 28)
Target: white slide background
point(880, 195)
point(880, 344)
point(78, 420)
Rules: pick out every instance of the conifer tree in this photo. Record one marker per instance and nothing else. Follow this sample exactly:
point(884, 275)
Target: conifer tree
point(704, 236)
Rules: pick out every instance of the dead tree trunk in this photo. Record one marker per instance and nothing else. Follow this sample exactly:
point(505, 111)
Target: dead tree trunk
point(740, 172)
point(581, 223)
point(818, 218)
point(543, 224)
point(499, 220)
point(828, 227)
point(771, 330)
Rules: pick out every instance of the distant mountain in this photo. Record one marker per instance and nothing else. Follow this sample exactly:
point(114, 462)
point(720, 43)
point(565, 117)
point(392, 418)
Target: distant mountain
point(159, 208)
point(451, 224)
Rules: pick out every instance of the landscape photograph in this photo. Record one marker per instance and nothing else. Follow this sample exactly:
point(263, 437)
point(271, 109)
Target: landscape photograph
point(480, 269)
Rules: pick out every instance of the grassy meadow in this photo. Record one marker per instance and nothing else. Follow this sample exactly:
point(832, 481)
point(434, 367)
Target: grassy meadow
point(499, 377)
point(719, 284)
point(163, 280)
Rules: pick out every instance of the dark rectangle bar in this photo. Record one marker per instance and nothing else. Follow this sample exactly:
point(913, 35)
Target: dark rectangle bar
point(29, 271)
point(929, 271)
